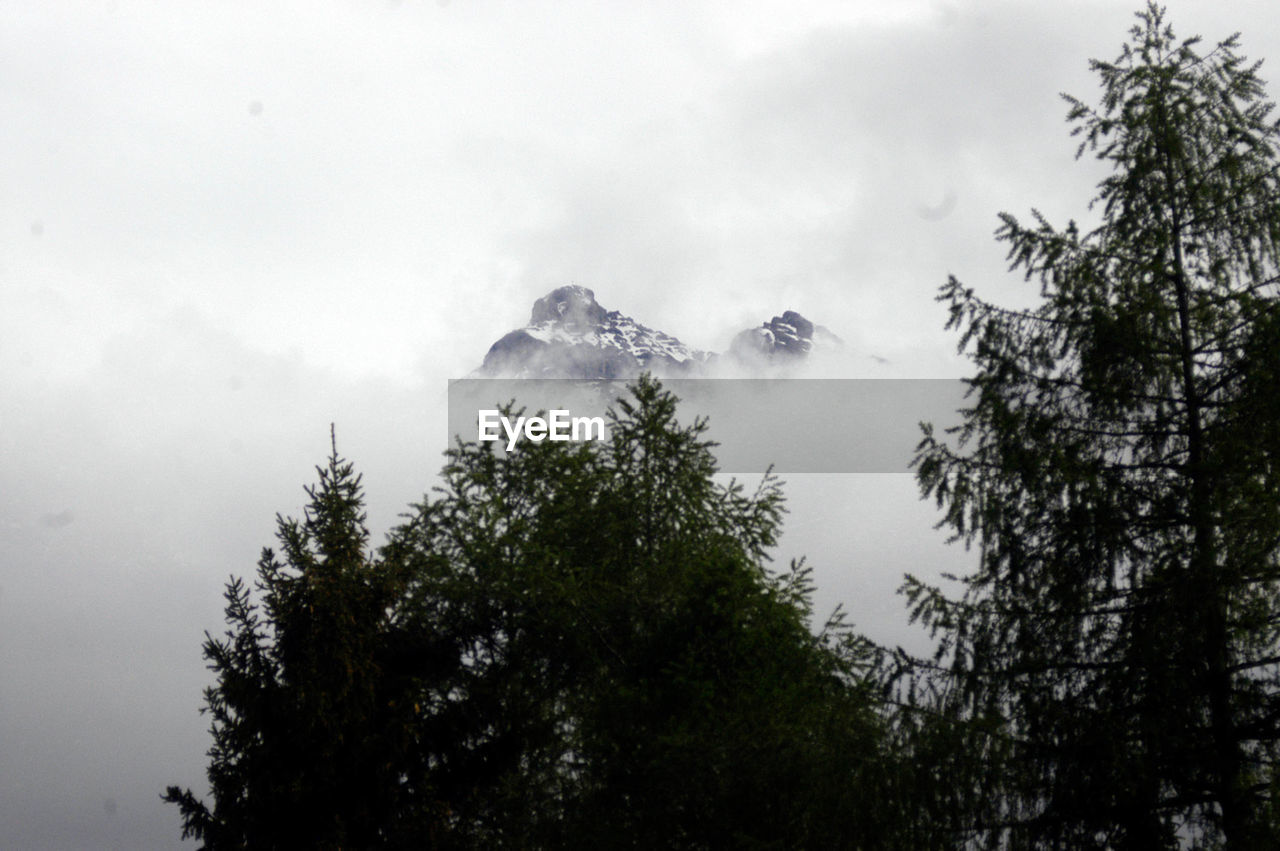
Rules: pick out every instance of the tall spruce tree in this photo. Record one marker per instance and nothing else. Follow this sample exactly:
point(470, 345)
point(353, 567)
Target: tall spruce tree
point(309, 722)
point(1114, 656)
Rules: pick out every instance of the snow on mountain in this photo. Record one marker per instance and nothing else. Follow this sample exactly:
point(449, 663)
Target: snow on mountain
point(570, 335)
point(781, 340)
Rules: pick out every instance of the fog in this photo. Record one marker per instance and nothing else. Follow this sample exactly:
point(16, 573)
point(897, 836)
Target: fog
point(226, 226)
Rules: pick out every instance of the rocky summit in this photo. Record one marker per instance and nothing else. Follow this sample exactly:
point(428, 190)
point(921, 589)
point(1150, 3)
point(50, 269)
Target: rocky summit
point(570, 335)
point(783, 338)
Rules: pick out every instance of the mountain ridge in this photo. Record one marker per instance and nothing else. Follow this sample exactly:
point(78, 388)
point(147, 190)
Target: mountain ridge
point(570, 335)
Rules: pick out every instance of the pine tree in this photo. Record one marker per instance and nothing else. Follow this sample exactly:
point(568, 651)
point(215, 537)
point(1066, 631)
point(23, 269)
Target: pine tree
point(306, 727)
point(1114, 657)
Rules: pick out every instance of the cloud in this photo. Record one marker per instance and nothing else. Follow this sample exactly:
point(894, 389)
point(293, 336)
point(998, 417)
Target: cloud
point(228, 226)
point(134, 489)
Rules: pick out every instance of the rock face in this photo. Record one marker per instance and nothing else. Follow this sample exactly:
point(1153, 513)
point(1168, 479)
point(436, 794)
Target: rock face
point(570, 335)
point(572, 307)
point(784, 337)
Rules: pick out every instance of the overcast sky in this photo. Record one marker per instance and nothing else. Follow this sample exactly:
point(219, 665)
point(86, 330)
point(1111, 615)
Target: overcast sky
point(226, 225)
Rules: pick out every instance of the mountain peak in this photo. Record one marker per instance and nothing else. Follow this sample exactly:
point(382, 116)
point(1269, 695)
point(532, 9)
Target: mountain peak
point(782, 337)
point(573, 306)
point(570, 335)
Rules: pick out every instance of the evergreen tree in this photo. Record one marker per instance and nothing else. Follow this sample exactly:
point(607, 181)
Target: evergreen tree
point(630, 673)
point(307, 730)
point(1113, 662)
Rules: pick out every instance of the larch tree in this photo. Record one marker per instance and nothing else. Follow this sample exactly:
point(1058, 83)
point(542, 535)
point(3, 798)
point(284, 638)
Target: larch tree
point(1114, 656)
point(629, 670)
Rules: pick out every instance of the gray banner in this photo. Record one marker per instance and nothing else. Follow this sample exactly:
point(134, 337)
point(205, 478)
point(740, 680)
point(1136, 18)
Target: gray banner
point(796, 425)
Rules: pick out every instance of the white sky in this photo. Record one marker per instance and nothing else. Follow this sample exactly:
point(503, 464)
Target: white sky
point(225, 225)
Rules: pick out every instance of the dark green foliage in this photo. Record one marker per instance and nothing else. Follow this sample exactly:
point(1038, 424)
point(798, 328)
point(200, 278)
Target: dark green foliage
point(1112, 665)
point(574, 645)
point(306, 723)
point(634, 675)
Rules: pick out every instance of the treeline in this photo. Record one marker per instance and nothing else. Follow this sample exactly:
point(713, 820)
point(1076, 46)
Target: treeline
point(584, 645)
point(575, 645)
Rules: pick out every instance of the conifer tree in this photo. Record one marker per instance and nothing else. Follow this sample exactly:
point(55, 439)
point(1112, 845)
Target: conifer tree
point(631, 673)
point(1114, 656)
point(306, 727)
